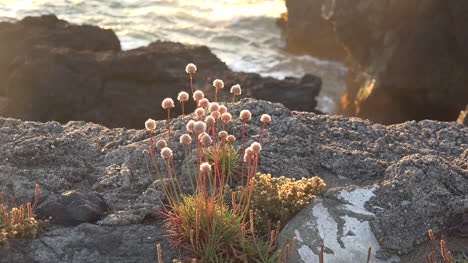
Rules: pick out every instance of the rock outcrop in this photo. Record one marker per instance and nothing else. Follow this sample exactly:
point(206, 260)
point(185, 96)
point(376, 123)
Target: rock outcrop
point(412, 168)
point(407, 59)
point(67, 72)
point(307, 31)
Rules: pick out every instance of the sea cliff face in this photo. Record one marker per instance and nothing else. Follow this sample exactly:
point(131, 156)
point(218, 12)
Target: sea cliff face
point(417, 172)
point(407, 59)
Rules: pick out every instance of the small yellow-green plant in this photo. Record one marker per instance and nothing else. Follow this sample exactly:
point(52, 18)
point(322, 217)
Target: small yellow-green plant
point(277, 199)
point(18, 221)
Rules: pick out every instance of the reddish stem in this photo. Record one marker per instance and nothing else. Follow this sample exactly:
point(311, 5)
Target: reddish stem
point(191, 84)
point(261, 133)
point(243, 149)
point(169, 126)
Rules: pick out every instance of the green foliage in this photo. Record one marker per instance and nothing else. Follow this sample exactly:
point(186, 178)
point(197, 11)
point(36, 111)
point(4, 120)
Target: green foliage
point(229, 160)
point(213, 232)
point(18, 222)
point(277, 199)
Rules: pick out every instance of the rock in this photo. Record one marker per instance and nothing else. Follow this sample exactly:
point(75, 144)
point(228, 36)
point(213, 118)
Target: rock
point(91, 243)
point(73, 208)
point(20, 37)
point(394, 75)
point(62, 82)
point(307, 31)
point(463, 116)
point(432, 187)
point(340, 222)
point(91, 158)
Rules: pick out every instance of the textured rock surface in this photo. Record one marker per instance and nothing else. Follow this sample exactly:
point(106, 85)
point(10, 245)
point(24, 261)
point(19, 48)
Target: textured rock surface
point(407, 60)
point(92, 158)
point(57, 75)
point(73, 208)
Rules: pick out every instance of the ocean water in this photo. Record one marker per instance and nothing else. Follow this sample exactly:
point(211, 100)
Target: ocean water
point(242, 33)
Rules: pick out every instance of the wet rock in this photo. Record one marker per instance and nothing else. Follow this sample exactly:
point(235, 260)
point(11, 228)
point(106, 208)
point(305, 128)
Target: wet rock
point(73, 208)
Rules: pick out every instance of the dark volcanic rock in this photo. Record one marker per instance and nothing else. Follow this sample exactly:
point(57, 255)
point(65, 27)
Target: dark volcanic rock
point(73, 208)
point(407, 60)
point(307, 31)
point(120, 89)
point(415, 161)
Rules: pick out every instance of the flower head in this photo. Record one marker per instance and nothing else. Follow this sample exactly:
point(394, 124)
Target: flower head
point(150, 124)
point(205, 167)
point(226, 117)
point(198, 95)
point(215, 114)
point(204, 103)
point(183, 96)
point(231, 139)
point(199, 127)
point(167, 103)
point(189, 125)
point(256, 147)
point(223, 134)
point(200, 112)
point(236, 90)
point(219, 84)
point(185, 139)
point(191, 68)
point(265, 118)
point(222, 109)
point(210, 120)
point(248, 155)
point(213, 107)
point(166, 153)
point(161, 144)
point(245, 115)
point(205, 139)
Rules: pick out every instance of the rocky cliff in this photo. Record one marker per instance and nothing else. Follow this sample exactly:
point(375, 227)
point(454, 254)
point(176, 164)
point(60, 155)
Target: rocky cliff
point(416, 170)
point(407, 59)
point(54, 70)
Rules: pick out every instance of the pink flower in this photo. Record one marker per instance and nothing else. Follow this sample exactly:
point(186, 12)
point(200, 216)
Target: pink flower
point(185, 139)
point(215, 114)
point(213, 107)
point(265, 118)
point(222, 109)
point(231, 139)
point(199, 127)
point(191, 68)
point(150, 124)
point(166, 153)
point(205, 167)
point(189, 125)
point(248, 155)
point(219, 84)
point(161, 144)
point(226, 117)
point(223, 135)
point(183, 96)
point(256, 147)
point(198, 95)
point(210, 121)
point(204, 103)
point(205, 139)
point(167, 103)
point(200, 112)
point(245, 115)
point(236, 90)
